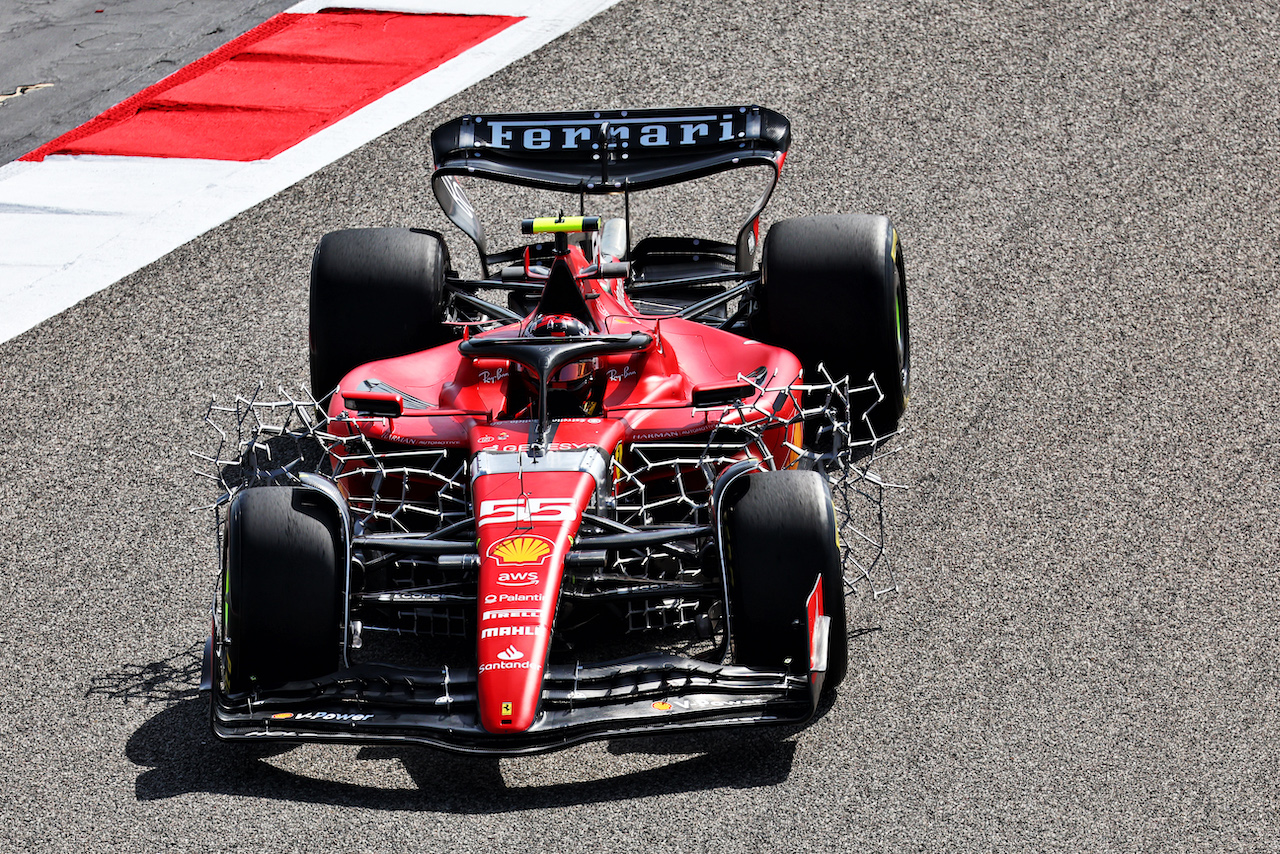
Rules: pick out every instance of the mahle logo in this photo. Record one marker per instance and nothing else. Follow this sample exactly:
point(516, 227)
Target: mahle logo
point(512, 631)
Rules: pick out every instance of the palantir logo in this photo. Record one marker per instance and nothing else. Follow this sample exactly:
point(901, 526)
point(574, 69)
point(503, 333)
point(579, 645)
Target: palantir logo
point(511, 654)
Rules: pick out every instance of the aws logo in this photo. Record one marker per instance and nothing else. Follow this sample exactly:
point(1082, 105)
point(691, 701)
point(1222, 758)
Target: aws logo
point(517, 579)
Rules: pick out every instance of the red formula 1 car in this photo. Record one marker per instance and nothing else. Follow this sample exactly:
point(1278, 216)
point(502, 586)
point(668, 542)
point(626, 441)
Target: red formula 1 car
point(602, 508)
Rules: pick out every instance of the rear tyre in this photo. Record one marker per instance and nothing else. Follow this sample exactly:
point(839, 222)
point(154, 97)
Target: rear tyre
point(833, 291)
point(781, 538)
point(282, 590)
point(375, 293)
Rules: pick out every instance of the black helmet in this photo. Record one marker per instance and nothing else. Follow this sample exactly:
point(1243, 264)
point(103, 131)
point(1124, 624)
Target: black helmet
point(575, 376)
point(558, 326)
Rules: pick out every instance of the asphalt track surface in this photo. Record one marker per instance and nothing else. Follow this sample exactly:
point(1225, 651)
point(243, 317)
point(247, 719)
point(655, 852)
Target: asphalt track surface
point(1083, 654)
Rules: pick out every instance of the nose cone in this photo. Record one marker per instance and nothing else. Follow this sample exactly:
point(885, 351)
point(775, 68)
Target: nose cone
point(525, 522)
point(528, 510)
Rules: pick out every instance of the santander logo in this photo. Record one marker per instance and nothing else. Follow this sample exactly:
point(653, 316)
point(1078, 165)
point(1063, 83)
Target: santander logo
point(511, 654)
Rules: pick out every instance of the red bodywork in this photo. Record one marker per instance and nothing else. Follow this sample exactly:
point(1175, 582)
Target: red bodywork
point(529, 510)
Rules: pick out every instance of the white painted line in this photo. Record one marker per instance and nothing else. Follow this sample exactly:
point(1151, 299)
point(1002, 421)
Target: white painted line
point(516, 8)
point(71, 226)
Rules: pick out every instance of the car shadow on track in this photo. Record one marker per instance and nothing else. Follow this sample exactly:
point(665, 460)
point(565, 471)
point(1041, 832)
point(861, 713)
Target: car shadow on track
point(181, 755)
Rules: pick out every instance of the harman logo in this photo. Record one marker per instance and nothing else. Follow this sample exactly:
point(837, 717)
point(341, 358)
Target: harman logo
point(521, 550)
point(511, 654)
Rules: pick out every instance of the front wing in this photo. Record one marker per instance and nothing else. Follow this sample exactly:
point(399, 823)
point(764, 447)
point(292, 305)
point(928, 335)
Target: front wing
point(640, 696)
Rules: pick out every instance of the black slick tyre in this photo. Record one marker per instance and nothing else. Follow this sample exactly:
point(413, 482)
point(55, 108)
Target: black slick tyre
point(282, 589)
point(375, 293)
point(781, 538)
point(833, 291)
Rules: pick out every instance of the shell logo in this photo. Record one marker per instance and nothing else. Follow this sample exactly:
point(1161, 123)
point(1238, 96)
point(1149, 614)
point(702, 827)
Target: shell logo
point(520, 550)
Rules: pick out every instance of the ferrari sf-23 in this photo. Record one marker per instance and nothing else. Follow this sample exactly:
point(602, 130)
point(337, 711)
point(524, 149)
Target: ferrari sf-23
point(583, 493)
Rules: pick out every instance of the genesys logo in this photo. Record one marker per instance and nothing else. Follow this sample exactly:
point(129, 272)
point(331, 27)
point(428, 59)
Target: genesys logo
point(523, 448)
point(320, 716)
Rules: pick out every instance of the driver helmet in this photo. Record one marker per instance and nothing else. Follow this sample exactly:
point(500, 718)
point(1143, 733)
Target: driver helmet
point(576, 376)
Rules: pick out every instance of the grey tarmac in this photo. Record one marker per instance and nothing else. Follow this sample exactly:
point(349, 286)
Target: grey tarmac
point(1083, 655)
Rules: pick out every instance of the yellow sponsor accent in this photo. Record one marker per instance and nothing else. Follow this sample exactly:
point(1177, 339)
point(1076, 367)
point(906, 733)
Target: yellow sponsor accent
point(551, 225)
point(795, 439)
point(839, 545)
point(520, 550)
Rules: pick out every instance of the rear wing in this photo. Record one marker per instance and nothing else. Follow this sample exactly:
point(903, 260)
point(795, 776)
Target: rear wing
point(606, 151)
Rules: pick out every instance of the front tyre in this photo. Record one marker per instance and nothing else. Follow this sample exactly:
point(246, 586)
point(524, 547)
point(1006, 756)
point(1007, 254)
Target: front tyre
point(780, 529)
point(282, 589)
